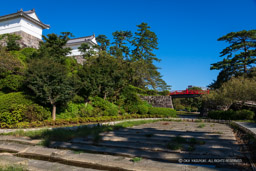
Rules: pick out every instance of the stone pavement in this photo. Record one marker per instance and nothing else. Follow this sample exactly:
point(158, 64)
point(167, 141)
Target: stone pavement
point(7, 159)
point(115, 149)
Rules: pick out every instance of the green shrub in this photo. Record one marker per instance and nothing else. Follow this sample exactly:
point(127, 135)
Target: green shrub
point(87, 111)
point(162, 111)
point(74, 110)
point(245, 114)
point(194, 109)
point(16, 107)
point(9, 99)
point(143, 109)
point(133, 109)
point(10, 118)
point(12, 82)
point(78, 99)
point(188, 109)
point(107, 108)
point(179, 107)
point(231, 115)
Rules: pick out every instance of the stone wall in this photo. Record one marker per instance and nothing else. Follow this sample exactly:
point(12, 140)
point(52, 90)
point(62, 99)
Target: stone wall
point(159, 101)
point(79, 58)
point(28, 40)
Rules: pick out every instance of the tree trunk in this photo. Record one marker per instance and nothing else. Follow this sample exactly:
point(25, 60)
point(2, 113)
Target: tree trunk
point(53, 112)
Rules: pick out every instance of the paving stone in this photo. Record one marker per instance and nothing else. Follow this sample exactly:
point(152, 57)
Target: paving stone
point(37, 165)
point(104, 162)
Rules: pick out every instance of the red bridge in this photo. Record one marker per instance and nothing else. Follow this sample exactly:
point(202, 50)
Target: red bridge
point(188, 93)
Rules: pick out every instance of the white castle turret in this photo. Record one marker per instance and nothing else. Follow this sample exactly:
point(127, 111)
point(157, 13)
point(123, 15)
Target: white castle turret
point(26, 24)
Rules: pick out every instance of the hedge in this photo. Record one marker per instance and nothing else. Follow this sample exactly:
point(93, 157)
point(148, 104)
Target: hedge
point(232, 115)
point(79, 120)
point(162, 111)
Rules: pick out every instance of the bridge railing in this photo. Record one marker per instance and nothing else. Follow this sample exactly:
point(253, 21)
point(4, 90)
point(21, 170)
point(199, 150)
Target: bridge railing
point(177, 92)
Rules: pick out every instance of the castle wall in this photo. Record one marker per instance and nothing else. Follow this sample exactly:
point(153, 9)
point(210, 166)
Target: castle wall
point(28, 40)
point(159, 101)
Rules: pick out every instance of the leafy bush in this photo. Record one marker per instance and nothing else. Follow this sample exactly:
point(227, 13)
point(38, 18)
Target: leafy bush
point(143, 109)
point(162, 111)
point(108, 109)
point(87, 111)
point(231, 115)
point(74, 110)
point(179, 107)
point(7, 100)
point(16, 107)
point(245, 114)
point(78, 99)
point(194, 109)
point(132, 109)
point(11, 82)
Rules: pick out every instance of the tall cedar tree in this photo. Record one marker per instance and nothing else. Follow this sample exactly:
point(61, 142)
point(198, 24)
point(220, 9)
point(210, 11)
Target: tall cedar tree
point(50, 82)
point(240, 56)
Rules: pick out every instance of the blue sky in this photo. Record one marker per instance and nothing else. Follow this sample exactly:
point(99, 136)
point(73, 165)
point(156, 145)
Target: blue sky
point(187, 30)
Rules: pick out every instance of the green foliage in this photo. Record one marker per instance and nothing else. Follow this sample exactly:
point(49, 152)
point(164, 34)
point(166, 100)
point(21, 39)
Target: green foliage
point(16, 107)
point(136, 159)
point(19, 55)
point(231, 115)
point(28, 52)
point(78, 99)
point(11, 41)
point(75, 110)
point(120, 49)
point(13, 168)
point(86, 50)
point(49, 81)
point(106, 108)
point(162, 111)
point(54, 47)
point(7, 100)
point(179, 107)
point(9, 64)
point(236, 90)
point(142, 109)
point(240, 55)
point(12, 83)
point(132, 109)
point(103, 42)
point(102, 76)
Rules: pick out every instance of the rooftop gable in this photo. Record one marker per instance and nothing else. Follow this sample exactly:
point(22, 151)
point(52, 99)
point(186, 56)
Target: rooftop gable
point(30, 15)
point(79, 40)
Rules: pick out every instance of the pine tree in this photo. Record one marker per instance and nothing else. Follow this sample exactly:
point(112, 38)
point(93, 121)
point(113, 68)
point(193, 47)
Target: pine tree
point(239, 56)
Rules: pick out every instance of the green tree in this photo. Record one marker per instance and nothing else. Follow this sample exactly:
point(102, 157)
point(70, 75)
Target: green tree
point(11, 72)
point(240, 55)
point(54, 46)
point(120, 48)
point(145, 42)
point(104, 42)
point(144, 73)
point(102, 76)
point(50, 82)
point(87, 50)
point(235, 90)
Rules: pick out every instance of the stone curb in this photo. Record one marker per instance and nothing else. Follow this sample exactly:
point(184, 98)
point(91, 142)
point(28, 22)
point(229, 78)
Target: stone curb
point(245, 129)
